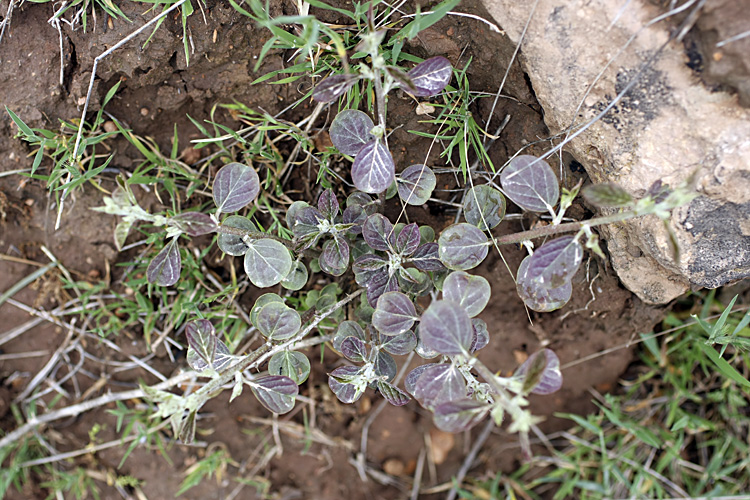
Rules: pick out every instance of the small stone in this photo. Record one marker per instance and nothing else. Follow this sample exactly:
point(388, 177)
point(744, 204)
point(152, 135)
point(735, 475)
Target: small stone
point(394, 467)
point(144, 111)
point(520, 356)
point(28, 202)
point(109, 126)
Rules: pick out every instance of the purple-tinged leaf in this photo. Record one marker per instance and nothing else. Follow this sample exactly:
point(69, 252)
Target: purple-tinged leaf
point(394, 314)
point(439, 384)
point(297, 277)
point(427, 258)
point(260, 302)
point(267, 262)
point(540, 373)
point(186, 428)
point(368, 262)
point(462, 247)
point(403, 79)
point(350, 131)
point(201, 337)
point(407, 240)
point(401, 344)
point(530, 183)
point(556, 262)
point(446, 328)
point(431, 76)
point(347, 329)
point(393, 394)
point(335, 257)
point(194, 223)
point(346, 384)
point(292, 364)
point(607, 194)
point(470, 292)
point(484, 207)
point(378, 232)
point(415, 184)
point(413, 281)
point(422, 350)
point(385, 366)
point(164, 269)
point(355, 215)
point(307, 227)
point(536, 296)
point(364, 200)
point(222, 358)
point(293, 212)
point(410, 382)
point(331, 88)
point(460, 415)
point(328, 205)
point(276, 321)
point(275, 392)
point(233, 244)
point(373, 170)
point(354, 349)
point(380, 282)
point(481, 335)
point(236, 186)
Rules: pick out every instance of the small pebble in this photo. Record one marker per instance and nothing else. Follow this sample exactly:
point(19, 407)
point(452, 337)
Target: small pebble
point(144, 111)
point(394, 467)
point(109, 126)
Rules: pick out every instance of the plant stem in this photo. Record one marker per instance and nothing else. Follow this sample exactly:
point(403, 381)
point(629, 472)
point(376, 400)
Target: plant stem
point(256, 235)
point(255, 358)
point(568, 227)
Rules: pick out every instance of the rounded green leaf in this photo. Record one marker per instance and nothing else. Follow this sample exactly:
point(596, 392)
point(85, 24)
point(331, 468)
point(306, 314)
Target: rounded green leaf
point(233, 244)
point(267, 262)
point(278, 322)
point(484, 207)
point(297, 277)
point(292, 364)
point(261, 301)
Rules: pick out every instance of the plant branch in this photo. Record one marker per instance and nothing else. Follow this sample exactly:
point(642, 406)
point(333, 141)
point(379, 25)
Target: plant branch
point(568, 227)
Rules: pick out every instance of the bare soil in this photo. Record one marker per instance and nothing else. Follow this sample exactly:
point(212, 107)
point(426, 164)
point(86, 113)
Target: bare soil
point(158, 90)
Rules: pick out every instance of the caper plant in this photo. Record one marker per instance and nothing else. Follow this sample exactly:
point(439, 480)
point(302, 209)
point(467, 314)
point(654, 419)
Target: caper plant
point(415, 293)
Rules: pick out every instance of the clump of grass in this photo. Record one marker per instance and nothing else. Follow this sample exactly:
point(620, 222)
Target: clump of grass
point(679, 430)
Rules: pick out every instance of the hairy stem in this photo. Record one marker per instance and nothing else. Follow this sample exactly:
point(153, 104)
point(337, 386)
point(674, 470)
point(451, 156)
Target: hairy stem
point(255, 358)
point(568, 227)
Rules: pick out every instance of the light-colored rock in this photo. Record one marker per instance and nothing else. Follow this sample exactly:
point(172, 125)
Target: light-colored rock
point(666, 127)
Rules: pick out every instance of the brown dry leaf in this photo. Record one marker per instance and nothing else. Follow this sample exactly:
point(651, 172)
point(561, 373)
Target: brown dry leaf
point(322, 141)
point(442, 444)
